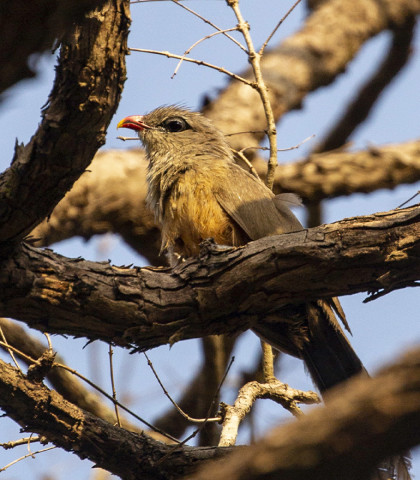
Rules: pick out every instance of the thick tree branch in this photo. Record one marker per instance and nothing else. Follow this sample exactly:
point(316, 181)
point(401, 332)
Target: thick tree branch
point(225, 290)
point(126, 454)
point(98, 204)
point(88, 85)
point(356, 112)
point(335, 173)
point(361, 105)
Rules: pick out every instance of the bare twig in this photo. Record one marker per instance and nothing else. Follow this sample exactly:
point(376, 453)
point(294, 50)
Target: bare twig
point(197, 62)
point(188, 51)
point(47, 336)
point(185, 415)
point(260, 86)
point(9, 349)
point(267, 362)
point(216, 394)
point(114, 393)
point(21, 441)
point(274, 390)
point(294, 147)
point(261, 51)
point(2, 469)
point(205, 20)
point(409, 200)
point(127, 138)
point(247, 163)
point(96, 387)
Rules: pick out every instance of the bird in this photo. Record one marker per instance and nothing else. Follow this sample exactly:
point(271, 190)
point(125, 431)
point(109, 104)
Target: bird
point(198, 191)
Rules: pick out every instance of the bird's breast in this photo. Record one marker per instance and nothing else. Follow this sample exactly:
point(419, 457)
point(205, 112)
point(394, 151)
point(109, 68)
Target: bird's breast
point(191, 213)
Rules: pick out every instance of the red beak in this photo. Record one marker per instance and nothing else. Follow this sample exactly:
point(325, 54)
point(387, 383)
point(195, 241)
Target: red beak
point(135, 122)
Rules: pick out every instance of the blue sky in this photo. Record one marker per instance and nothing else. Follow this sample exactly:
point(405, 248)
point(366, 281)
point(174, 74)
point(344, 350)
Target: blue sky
point(381, 329)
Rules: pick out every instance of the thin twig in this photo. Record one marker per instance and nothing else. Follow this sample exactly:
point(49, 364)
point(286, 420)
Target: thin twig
point(294, 147)
point(47, 336)
point(179, 409)
point(205, 20)
point(21, 441)
point(99, 389)
point(255, 60)
point(409, 200)
point(261, 51)
point(28, 359)
point(247, 162)
point(10, 349)
point(247, 132)
point(188, 51)
point(267, 362)
point(127, 138)
point(197, 62)
point(198, 430)
point(96, 387)
point(114, 393)
point(26, 456)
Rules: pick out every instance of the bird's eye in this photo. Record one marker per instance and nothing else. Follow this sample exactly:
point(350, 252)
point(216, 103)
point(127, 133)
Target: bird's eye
point(175, 125)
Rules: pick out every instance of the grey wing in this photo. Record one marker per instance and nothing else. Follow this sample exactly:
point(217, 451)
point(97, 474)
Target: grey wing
point(254, 207)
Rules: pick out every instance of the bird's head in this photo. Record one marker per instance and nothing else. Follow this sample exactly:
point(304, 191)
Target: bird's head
point(172, 131)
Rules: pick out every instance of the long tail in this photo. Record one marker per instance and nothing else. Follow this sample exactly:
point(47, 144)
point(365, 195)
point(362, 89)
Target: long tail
point(327, 353)
point(311, 332)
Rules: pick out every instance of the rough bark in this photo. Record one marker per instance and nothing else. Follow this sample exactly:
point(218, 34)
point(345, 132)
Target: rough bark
point(226, 290)
point(126, 454)
point(85, 95)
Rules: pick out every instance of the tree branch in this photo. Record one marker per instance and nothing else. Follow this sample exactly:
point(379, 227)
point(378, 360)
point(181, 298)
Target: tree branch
point(126, 454)
point(65, 383)
point(97, 204)
point(226, 290)
point(333, 174)
point(361, 105)
point(88, 85)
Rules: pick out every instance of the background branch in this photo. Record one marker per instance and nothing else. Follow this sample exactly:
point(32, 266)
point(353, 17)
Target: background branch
point(306, 61)
point(126, 454)
point(29, 28)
